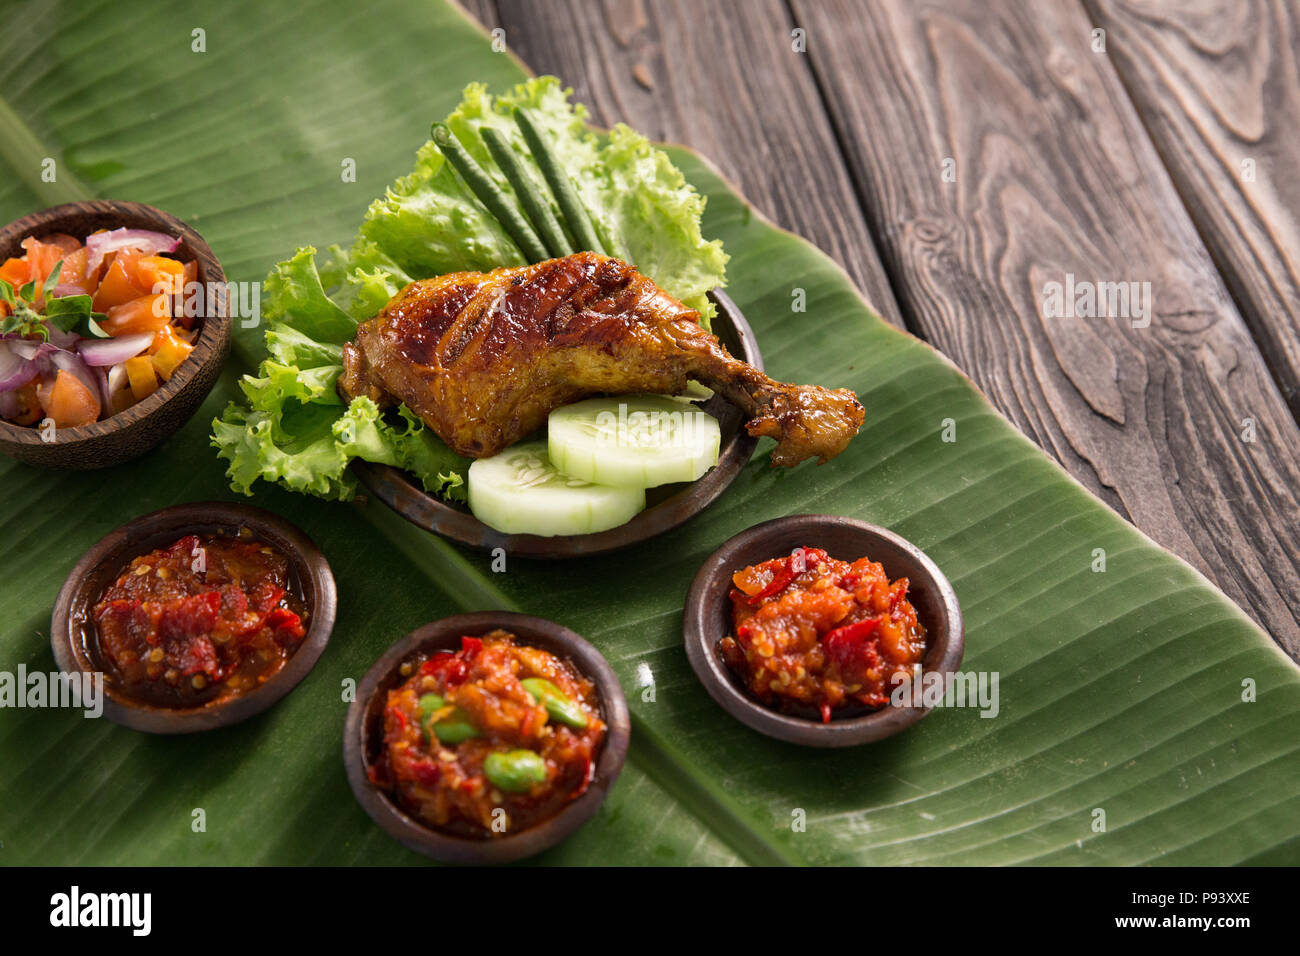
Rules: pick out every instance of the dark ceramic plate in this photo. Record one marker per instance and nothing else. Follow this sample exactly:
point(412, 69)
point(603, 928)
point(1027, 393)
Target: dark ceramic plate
point(364, 731)
point(72, 632)
point(667, 506)
point(707, 619)
point(132, 432)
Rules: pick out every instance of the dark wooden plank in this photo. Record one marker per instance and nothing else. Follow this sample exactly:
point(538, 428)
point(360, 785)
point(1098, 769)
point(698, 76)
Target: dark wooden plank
point(1217, 89)
point(721, 77)
point(1054, 175)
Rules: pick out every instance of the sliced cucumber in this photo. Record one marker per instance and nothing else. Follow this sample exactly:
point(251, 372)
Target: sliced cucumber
point(633, 441)
point(519, 491)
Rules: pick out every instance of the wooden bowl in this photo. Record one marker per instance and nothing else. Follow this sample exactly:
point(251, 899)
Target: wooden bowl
point(707, 619)
point(667, 506)
point(131, 432)
point(75, 644)
point(363, 736)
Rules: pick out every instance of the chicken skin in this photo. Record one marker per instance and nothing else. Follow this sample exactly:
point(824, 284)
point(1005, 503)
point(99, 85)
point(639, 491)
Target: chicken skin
point(483, 357)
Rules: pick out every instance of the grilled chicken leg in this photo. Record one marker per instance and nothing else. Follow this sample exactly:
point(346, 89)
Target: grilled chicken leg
point(483, 358)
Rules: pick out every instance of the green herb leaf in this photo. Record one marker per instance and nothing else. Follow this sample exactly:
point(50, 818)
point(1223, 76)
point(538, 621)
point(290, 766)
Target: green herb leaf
point(53, 279)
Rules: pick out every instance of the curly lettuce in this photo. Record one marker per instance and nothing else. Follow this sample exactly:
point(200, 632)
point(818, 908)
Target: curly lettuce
point(293, 428)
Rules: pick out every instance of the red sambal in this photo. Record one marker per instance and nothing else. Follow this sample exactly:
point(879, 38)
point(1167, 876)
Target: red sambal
point(491, 739)
point(815, 633)
point(211, 616)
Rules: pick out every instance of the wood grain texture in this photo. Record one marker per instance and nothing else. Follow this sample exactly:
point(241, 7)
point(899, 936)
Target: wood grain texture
point(721, 77)
point(1055, 174)
point(1216, 84)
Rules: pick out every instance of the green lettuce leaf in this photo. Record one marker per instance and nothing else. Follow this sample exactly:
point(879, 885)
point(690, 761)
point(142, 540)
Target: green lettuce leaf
point(294, 428)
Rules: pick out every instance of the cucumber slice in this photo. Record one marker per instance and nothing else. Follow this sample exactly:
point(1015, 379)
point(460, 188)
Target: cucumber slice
point(519, 491)
point(633, 441)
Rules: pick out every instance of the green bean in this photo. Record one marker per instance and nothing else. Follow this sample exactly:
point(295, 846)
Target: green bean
point(584, 233)
point(488, 193)
point(514, 771)
point(452, 729)
point(557, 704)
point(536, 206)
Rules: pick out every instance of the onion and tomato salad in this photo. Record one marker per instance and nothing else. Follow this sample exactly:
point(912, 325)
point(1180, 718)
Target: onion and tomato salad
point(813, 633)
point(89, 329)
point(489, 740)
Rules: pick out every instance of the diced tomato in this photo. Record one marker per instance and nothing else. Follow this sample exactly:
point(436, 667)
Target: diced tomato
point(168, 351)
point(41, 259)
point(285, 623)
point(450, 666)
point(234, 605)
point(160, 275)
point(141, 377)
point(124, 626)
point(425, 771)
point(16, 272)
point(73, 273)
point(118, 286)
point(64, 242)
point(848, 646)
point(194, 655)
point(266, 596)
point(68, 402)
point(29, 405)
point(190, 617)
point(148, 313)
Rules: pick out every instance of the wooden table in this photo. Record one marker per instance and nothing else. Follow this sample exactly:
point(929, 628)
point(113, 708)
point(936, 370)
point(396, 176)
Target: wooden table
point(956, 158)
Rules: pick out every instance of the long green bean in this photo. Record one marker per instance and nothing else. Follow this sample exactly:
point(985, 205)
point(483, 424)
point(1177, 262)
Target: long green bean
point(488, 193)
point(575, 214)
point(536, 206)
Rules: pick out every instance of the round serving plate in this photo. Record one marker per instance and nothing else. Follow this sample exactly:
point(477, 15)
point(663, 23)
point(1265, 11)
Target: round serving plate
point(668, 506)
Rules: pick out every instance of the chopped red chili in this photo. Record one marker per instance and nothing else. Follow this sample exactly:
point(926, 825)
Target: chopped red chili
point(209, 617)
point(813, 633)
point(457, 712)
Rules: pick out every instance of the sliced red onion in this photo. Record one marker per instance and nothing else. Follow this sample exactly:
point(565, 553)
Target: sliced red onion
point(113, 351)
point(101, 379)
point(15, 372)
point(66, 289)
point(117, 378)
point(29, 349)
point(64, 340)
point(102, 243)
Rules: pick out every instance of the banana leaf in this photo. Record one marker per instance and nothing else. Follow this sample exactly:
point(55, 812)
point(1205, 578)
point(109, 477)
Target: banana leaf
point(1121, 689)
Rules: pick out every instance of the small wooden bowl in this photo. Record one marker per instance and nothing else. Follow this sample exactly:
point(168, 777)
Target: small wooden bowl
point(668, 506)
point(363, 736)
point(134, 431)
point(707, 619)
point(75, 644)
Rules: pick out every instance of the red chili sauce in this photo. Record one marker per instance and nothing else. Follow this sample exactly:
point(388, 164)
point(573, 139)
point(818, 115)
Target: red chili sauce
point(490, 740)
point(815, 633)
point(210, 617)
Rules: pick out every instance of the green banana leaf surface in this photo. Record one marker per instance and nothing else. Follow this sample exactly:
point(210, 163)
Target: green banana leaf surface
point(1125, 690)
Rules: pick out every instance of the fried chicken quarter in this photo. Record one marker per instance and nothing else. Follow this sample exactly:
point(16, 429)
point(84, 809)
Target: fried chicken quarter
point(483, 357)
